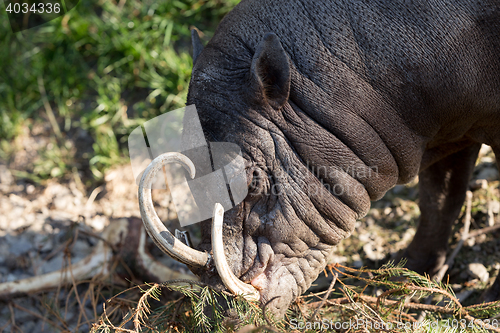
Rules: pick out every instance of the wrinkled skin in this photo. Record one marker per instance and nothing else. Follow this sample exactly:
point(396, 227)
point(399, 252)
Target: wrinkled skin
point(333, 103)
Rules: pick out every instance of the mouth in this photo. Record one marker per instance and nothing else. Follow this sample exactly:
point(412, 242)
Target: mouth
point(267, 276)
point(271, 250)
point(257, 275)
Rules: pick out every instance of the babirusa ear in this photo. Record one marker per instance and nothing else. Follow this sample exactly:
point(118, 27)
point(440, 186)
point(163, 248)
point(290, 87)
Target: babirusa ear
point(270, 70)
point(197, 45)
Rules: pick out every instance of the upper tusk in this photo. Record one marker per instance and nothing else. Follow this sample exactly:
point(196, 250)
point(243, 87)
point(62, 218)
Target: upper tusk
point(232, 283)
point(155, 228)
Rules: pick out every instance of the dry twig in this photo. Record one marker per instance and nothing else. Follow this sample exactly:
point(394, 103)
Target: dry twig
point(330, 288)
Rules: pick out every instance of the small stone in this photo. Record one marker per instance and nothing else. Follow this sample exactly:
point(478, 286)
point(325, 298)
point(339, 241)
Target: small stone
point(10, 277)
point(399, 212)
point(43, 242)
point(408, 235)
point(398, 189)
point(406, 217)
point(19, 245)
point(485, 150)
point(477, 184)
point(463, 295)
point(53, 264)
point(491, 218)
point(357, 262)
point(373, 253)
point(338, 259)
point(488, 173)
point(471, 241)
point(30, 189)
point(80, 249)
point(98, 222)
point(29, 326)
point(478, 271)
point(375, 213)
point(62, 201)
point(495, 207)
point(5, 176)
point(370, 221)
point(364, 237)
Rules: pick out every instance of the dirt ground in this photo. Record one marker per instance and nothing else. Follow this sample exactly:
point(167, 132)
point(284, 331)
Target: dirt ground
point(45, 226)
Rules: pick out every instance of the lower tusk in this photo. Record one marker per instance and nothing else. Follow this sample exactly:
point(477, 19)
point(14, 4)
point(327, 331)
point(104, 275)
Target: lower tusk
point(152, 223)
point(235, 285)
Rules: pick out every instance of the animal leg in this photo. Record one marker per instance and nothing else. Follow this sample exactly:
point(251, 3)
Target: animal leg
point(442, 188)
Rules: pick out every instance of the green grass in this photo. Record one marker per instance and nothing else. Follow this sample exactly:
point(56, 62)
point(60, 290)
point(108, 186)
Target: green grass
point(106, 68)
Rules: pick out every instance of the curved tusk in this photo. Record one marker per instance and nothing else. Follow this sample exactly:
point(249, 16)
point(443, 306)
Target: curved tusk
point(235, 285)
point(155, 228)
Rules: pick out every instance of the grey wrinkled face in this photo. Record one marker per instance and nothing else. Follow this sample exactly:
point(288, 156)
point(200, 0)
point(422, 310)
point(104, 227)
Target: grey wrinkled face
point(281, 236)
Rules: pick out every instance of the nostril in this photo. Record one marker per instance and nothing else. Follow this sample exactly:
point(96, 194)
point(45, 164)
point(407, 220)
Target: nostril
point(255, 181)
